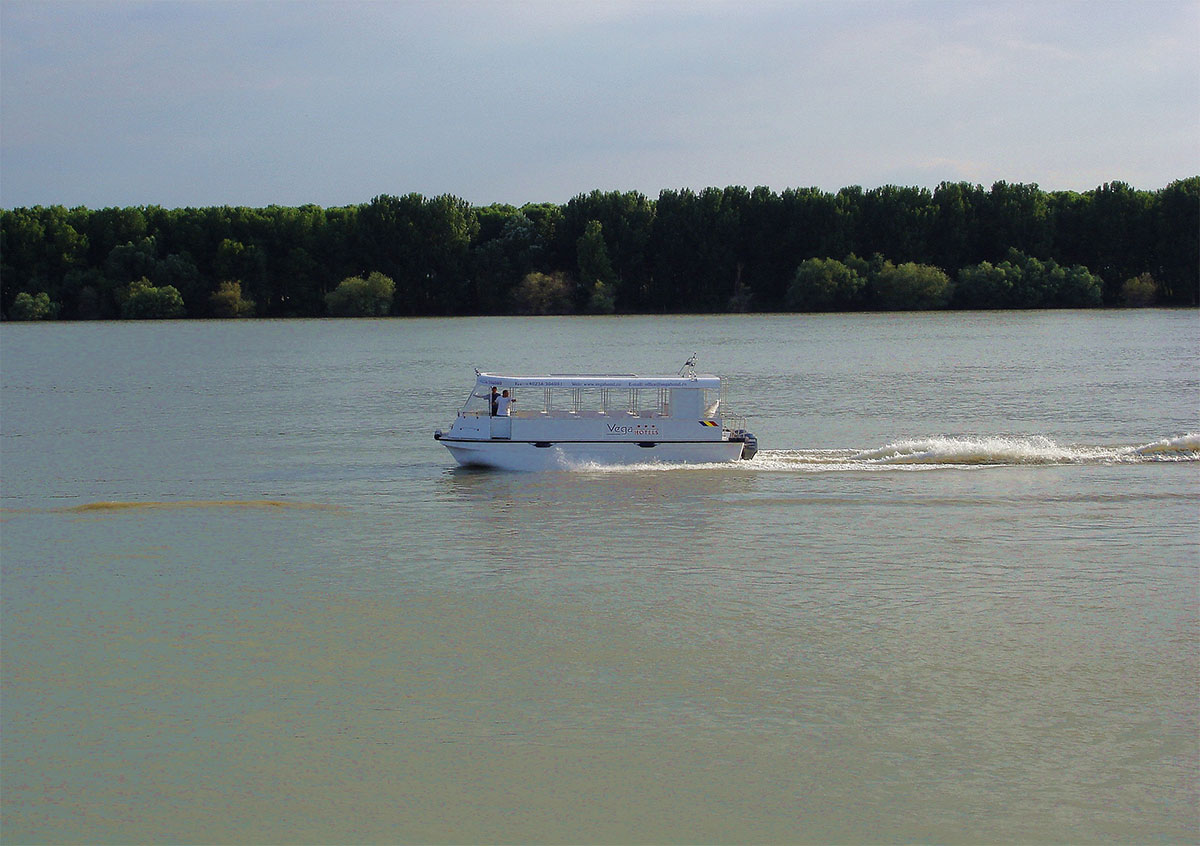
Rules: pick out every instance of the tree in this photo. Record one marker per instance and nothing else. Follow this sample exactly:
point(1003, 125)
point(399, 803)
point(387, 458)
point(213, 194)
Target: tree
point(1139, 291)
point(1022, 281)
point(823, 285)
point(1177, 228)
point(596, 274)
point(712, 249)
point(425, 246)
point(896, 222)
point(28, 307)
point(601, 299)
point(358, 297)
point(38, 248)
point(1122, 230)
point(444, 231)
point(227, 301)
point(1015, 216)
point(627, 220)
point(742, 297)
point(89, 305)
point(911, 286)
point(131, 261)
point(699, 245)
point(180, 272)
point(143, 301)
point(1076, 287)
point(512, 246)
point(109, 228)
point(245, 263)
point(985, 285)
point(299, 284)
point(676, 248)
point(543, 293)
point(954, 235)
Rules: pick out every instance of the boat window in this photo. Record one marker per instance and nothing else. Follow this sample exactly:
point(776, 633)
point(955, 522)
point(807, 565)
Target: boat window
point(712, 403)
point(595, 401)
point(585, 401)
point(589, 400)
point(478, 402)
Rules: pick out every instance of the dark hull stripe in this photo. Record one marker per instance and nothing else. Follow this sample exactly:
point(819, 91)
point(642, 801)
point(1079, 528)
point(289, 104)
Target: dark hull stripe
point(599, 443)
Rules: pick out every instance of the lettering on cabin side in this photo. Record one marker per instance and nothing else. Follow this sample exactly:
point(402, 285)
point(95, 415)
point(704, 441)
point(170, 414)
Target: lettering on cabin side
point(639, 429)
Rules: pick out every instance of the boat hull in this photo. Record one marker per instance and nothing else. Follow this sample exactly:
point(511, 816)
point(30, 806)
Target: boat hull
point(524, 455)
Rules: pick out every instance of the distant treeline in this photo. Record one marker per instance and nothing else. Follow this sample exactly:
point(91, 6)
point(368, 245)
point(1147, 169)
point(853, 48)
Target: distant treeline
point(716, 250)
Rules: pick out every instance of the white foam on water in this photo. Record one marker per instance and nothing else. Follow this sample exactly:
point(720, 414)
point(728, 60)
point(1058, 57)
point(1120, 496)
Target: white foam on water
point(1186, 448)
point(973, 451)
point(938, 452)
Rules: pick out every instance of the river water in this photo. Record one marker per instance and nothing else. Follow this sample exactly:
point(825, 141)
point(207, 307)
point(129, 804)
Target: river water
point(956, 597)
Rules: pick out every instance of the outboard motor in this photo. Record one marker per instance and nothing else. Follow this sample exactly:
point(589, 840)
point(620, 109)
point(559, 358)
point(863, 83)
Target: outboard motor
point(749, 442)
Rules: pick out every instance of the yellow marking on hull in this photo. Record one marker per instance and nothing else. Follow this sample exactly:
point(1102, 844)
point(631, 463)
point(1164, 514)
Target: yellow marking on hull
point(103, 507)
point(200, 503)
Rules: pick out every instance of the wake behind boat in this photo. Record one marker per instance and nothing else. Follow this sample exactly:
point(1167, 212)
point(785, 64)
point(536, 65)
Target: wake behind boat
point(558, 421)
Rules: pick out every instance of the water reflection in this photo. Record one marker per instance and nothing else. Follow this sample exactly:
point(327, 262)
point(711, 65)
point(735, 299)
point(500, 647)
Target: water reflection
point(700, 654)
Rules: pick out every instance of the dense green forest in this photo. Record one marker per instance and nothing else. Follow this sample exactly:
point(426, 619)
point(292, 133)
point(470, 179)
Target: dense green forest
point(717, 250)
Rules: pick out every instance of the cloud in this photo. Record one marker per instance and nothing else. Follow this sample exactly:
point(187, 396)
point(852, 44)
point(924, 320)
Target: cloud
point(255, 102)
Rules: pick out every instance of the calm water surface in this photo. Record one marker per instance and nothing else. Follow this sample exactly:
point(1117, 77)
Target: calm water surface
point(956, 598)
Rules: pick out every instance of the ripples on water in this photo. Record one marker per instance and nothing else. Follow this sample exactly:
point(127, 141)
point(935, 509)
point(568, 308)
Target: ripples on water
point(935, 453)
point(246, 598)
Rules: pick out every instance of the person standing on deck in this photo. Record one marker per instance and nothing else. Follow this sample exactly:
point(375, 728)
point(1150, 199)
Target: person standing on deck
point(502, 405)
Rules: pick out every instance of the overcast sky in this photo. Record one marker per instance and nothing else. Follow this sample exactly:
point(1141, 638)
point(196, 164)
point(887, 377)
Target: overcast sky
point(291, 102)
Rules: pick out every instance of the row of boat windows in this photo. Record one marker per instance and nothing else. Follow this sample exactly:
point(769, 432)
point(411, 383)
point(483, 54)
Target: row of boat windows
point(644, 402)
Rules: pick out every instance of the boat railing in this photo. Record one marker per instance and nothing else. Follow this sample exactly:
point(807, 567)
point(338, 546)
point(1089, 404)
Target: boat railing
point(735, 421)
point(568, 414)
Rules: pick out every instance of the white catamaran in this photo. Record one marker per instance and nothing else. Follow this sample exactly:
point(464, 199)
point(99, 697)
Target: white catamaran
point(563, 421)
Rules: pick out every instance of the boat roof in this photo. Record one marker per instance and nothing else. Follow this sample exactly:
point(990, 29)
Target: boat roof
point(598, 380)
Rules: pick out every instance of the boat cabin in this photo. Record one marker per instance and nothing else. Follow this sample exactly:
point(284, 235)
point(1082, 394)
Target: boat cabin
point(579, 397)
